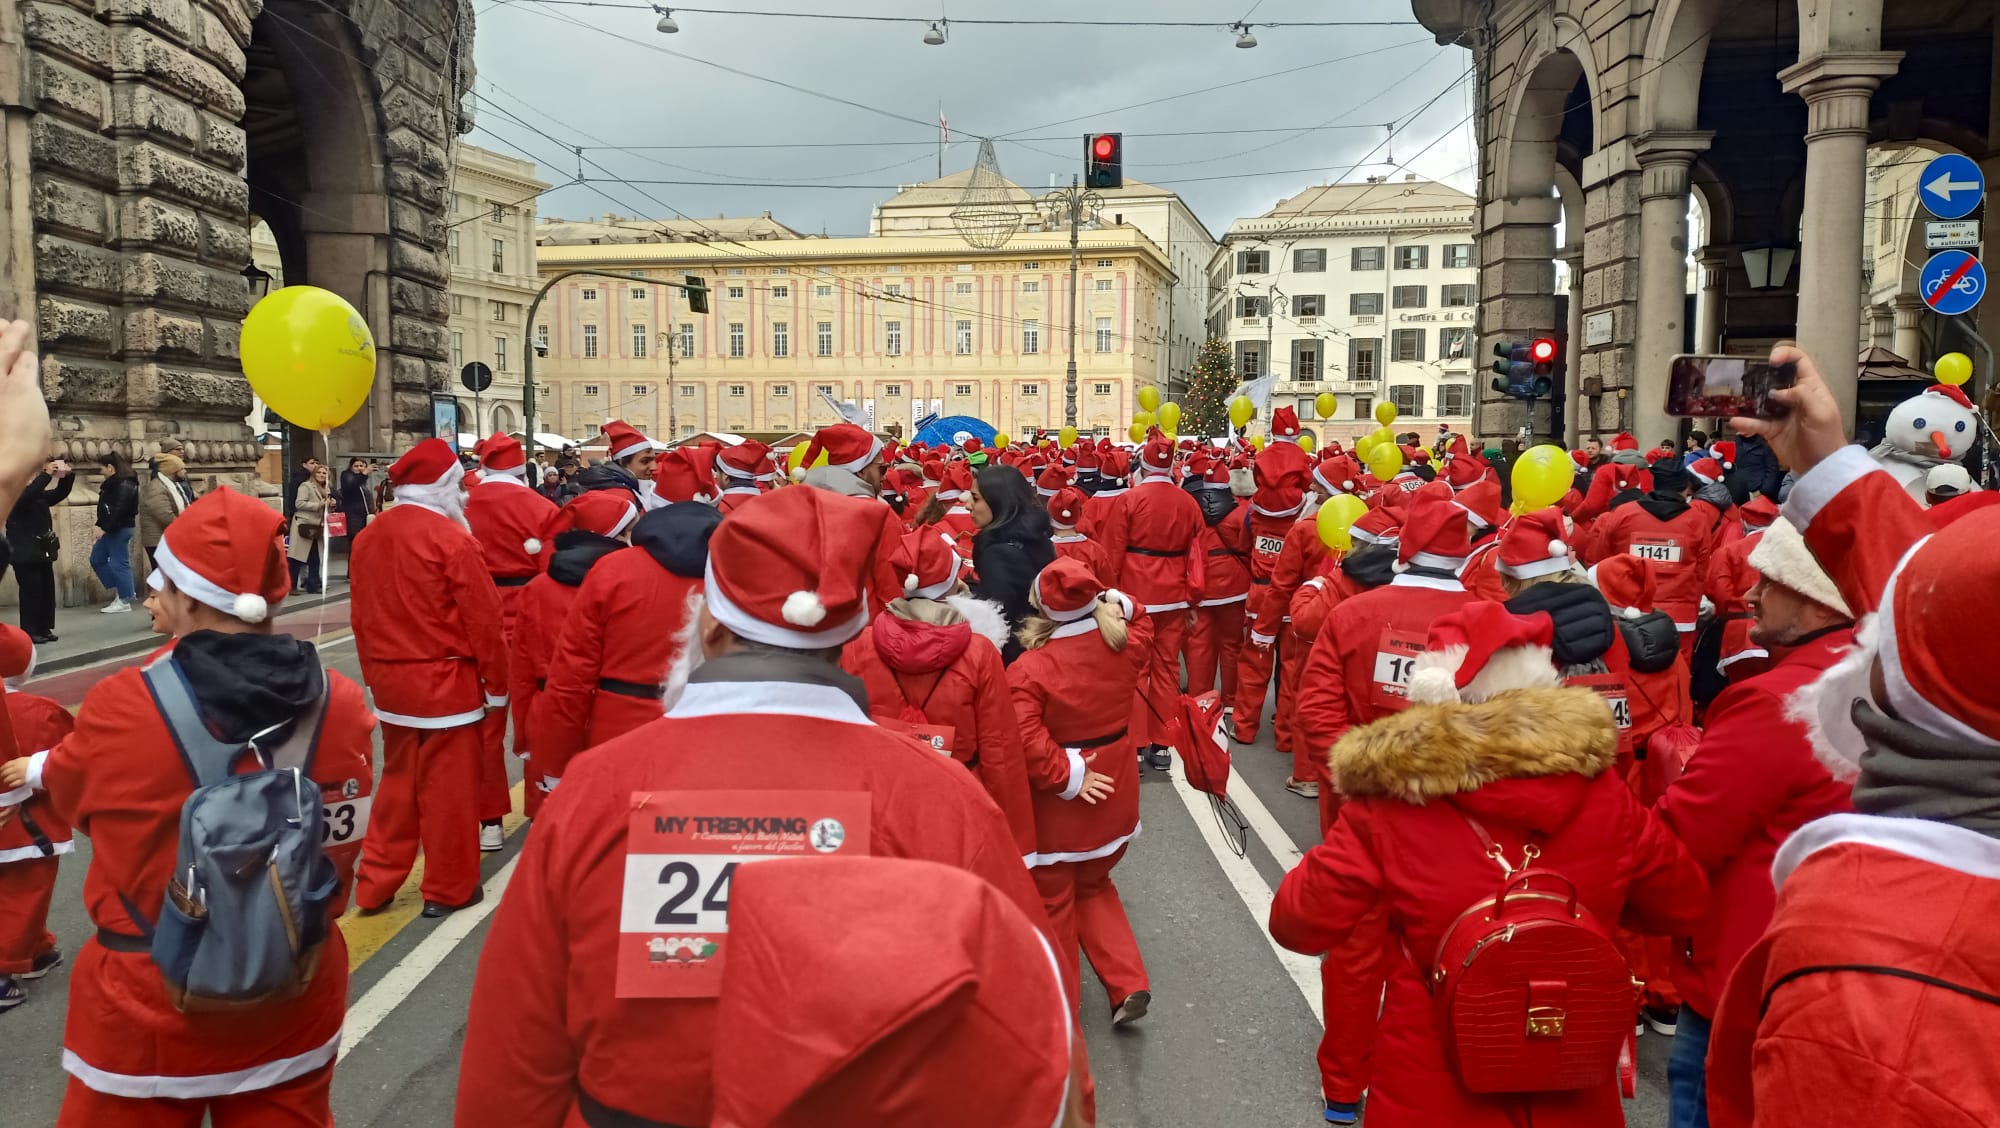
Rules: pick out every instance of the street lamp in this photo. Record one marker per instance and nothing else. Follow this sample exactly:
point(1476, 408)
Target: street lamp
point(666, 26)
point(935, 36)
point(1244, 39)
point(1768, 265)
point(256, 282)
point(1075, 203)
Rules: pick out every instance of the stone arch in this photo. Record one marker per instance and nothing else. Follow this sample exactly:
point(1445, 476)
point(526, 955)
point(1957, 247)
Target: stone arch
point(1712, 194)
point(1676, 53)
point(1533, 121)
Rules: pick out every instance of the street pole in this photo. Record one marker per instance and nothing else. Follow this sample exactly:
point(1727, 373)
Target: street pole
point(670, 347)
point(1078, 203)
point(528, 370)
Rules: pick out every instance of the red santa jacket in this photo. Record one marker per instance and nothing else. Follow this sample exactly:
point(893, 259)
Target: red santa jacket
point(1793, 1048)
point(930, 673)
point(957, 523)
point(1419, 865)
point(545, 1019)
point(508, 518)
point(1073, 697)
point(427, 620)
point(623, 633)
point(1225, 563)
point(1858, 522)
point(119, 779)
point(1360, 662)
point(1161, 569)
point(1481, 574)
point(1674, 536)
point(1104, 522)
point(1301, 557)
point(1076, 546)
point(1751, 783)
point(37, 829)
point(1730, 578)
point(735, 496)
point(544, 609)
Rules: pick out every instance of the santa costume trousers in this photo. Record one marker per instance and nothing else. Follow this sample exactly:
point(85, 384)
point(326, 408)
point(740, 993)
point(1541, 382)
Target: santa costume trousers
point(1307, 762)
point(1160, 687)
point(427, 797)
point(302, 1102)
point(1253, 688)
point(1213, 648)
point(494, 802)
point(1351, 978)
point(1085, 911)
point(26, 888)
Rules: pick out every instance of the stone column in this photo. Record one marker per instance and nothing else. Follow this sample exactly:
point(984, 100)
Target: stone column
point(1576, 411)
point(1713, 265)
point(1908, 311)
point(1517, 244)
point(1664, 159)
point(1836, 86)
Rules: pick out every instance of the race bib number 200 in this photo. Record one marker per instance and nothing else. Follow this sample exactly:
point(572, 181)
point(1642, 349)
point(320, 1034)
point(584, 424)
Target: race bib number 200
point(682, 851)
point(1270, 546)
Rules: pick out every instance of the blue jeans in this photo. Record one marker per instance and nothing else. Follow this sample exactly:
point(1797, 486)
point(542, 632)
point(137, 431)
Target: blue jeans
point(111, 559)
point(1687, 1072)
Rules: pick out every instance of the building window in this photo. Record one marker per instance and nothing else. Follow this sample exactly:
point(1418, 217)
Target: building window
point(781, 338)
point(639, 342)
point(1409, 297)
point(1364, 407)
point(1406, 345)
point(962, 287)
point(961, 389)
point(1104, 334)
point(736, 339)
point(1308, 305)
point(893, 290)
point(822, 291)
point(589, 293)
point(1456, 295)
point(1031, 286)
point(1103, 264)
point(780, 391)
point(1412, 258)
point(739, 390)
point(542, 338)
point(590, 390)
point(1458, 256)
point(1252, 306)
point(825, 334)
point(892, 389)
point(458, 350)
point(1455, 399)
point(1311, 261)
point(638, 293)
point(736, 292)
point(1364, 304)
point(1031, 266)
point(640, 390)
point(1103, 285)
point(1454, 344)
point(1249, 359)
point(687, 391)
point(779, 270)
point(892, 338)
point(499, 255)
point(1305, 362)
point(781, 292)
point(1100, 389)
point(500, 311)
point(1253, 262)
point(1363, 359)
point(1408, 398)
point(1031, 336)
point(1365, 258)
point(590, 342)
point(457, 305)
point(457, 256)
point(687, 339)
point(962, 334)
point(734, 272)
point(1031, 389)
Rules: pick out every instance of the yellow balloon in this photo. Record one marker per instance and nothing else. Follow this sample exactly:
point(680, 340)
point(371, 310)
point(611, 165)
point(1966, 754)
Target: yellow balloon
point(1306, 441)
point(309, 356)
point(1336, 518)
point(1324, 405)
point(1000, 440)
point(1385, 461)
point(1953, 368)
point(1149, 398)
point(1170, 418)
point(1138, 432)
point(1143, 420)
point(1363, 445)
point(1240, 410)
point(1257, 442)
point(1384, 435)
point(1385, 413)
point(1542, 475)
point(1066, 437)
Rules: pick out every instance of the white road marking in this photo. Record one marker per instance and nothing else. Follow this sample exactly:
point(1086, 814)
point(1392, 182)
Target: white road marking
point(1244, 878)
point(401, 981)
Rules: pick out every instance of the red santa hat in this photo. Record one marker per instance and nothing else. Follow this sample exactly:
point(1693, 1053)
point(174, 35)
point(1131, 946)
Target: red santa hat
point(624, 440)
point(1157, 456)
point(939, 996)
point(1725, 453)
point(1462, 471)
point(17, 654)
point(1436, 534)
point(1707, 471)
point(1337, 474)
point(1285, 425)
point(1420, 456)
point(749, 459)
point(847, 447)
point(1627, 584)
point(498, 452)
point(929, 562)
point(1581, 458)
point(1758, 512)
point(430, 462)
point(955, 483)
point(1655, 454)
point(1052, 481)
point(1481, 502)
point(1533, 545)
point(1084, 456)
point(1480, 650)
point(682, 475)
point(1215, 476)
point(226, 551)
point(1280, 473)
point(1114, 465)
point(1067, 590)
point(1066, 508)
point(1954, 394)
point(933, 471)
point(790, 568)
point(604, 512)
point(1377, 526)
point(1623, 440)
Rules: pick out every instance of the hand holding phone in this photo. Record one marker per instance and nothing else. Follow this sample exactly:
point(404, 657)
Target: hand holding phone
point(1718, 387)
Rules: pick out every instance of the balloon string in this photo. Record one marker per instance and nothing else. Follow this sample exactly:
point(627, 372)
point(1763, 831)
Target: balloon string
point(326, 541)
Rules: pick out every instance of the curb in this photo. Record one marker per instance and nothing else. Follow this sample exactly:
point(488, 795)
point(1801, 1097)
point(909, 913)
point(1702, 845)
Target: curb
point(147, 642)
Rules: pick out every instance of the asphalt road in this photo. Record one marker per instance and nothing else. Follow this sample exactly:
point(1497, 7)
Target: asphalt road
point(1229, 1041)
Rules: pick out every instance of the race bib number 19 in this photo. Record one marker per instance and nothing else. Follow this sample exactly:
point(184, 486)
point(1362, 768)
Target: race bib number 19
point(1395, 658)
point(682, 851)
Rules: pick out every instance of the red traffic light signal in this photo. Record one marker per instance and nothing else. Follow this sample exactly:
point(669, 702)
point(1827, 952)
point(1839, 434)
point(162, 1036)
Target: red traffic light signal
point(1103, 146)
point(1104, 160)
point(1544, 351)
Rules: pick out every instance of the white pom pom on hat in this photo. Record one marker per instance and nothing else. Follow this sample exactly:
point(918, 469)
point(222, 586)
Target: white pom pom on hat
point(1557, 548)
point(910, 583)
point(532, 546)
point(803, 609)
point(250, 607)
point(798, 473)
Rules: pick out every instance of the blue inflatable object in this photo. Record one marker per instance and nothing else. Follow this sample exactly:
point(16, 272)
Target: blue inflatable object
point(951, 430)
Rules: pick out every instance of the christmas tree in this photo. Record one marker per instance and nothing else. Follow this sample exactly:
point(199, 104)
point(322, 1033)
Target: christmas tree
point(1205, 405)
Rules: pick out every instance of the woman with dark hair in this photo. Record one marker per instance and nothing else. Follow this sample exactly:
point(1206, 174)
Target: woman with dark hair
point(353, 500)
point(1011, 547)
point(117, 514)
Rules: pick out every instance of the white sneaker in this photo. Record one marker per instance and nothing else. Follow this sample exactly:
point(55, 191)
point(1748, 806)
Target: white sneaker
point(114, 607)
point(490, 839)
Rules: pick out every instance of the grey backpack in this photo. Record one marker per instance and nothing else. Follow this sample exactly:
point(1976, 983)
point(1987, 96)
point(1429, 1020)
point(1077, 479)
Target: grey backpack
point(245, 911)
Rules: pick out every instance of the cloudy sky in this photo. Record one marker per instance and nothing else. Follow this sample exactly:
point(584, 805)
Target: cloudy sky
point(859, 101)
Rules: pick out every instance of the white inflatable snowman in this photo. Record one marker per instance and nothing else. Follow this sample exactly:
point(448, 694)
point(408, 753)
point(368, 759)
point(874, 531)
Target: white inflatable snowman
point(1924, 431)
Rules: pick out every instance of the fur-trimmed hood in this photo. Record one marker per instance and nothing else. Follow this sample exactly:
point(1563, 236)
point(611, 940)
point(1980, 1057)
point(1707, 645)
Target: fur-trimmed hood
point(1431, 751)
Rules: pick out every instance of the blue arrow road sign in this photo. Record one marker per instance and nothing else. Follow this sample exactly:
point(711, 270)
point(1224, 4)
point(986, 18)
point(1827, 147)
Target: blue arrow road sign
point(1952, 282)
point(1951, 186)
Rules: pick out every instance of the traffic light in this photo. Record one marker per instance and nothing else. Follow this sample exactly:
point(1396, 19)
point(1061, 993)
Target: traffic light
point(697, 293)
point(1104, 160)
point(1526, 370)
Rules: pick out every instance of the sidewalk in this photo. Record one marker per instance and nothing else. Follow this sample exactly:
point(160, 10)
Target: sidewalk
point(85, 635)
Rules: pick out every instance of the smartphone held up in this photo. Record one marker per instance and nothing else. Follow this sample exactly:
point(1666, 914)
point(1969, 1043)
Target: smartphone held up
point(1717, 387)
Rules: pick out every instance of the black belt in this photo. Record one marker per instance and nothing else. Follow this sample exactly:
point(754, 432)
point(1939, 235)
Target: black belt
point(1265, 580)
point(1095, 741)
point(541, 684)
point(650, 691)
point(120, 942)
point(1225, 552)
point(599, 1115)
point(1155, 552)
point(511, 581)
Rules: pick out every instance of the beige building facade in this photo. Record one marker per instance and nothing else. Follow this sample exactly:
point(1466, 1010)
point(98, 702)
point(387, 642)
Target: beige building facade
point(901, 327)
point(490, 247)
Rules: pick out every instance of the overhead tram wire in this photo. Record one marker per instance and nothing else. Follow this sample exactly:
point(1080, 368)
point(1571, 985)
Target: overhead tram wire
point(856, 17)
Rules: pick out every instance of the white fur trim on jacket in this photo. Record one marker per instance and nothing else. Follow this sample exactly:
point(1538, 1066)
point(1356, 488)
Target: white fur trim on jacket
point(200, 1086)
point(1941, 844)
point(988, 621)
point(1434, 675)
